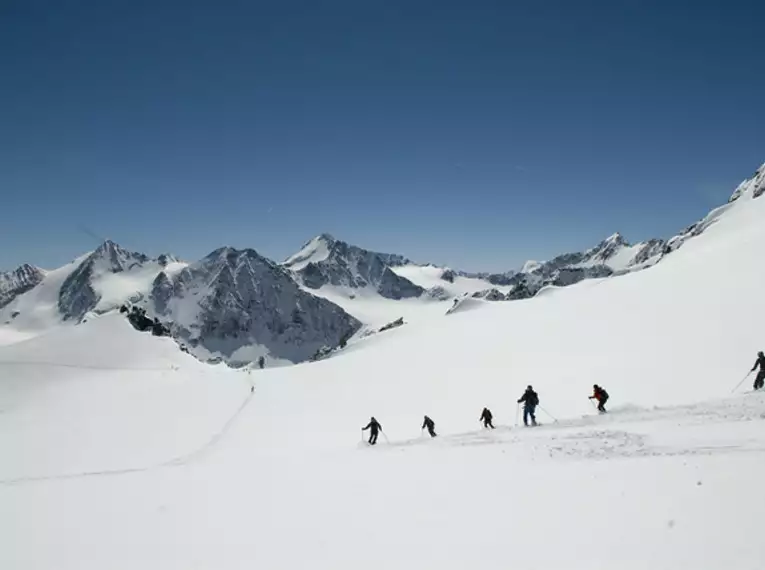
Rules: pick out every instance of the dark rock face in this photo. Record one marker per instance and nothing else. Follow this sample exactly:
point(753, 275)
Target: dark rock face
point(652, 248)
point(392, 325)
point(235, 298)
point(77, 295)
point(490, 295)
point(569, 275)
point(349, 266)
point(17, 282)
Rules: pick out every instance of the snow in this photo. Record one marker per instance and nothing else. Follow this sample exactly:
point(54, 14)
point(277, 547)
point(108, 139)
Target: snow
point(115, 288)
point(38, 308)
point(314, 251)
point(621, 259)
point(119, 451)
point(375, 311)
point(429, 276)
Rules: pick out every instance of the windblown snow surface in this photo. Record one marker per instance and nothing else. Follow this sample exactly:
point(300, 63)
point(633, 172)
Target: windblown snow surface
point(121, 452)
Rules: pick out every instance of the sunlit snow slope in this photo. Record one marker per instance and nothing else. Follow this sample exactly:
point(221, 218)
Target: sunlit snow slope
point(179, 466)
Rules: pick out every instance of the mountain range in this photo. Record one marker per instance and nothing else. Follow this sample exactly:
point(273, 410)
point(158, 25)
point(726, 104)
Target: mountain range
point(237, 305)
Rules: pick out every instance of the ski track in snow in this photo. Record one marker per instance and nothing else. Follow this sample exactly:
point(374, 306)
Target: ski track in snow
point(280, 480)
point(606, 436)
point(545, 440)
point(177, 461)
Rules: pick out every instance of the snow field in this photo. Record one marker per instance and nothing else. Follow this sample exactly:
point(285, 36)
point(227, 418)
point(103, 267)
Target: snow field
point(668, 479)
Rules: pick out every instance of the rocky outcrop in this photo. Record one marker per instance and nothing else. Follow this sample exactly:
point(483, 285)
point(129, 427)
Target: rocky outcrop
point(490, 295)
point(77, 295)
point(19, 281)
point(327, 261)
point(236, 298)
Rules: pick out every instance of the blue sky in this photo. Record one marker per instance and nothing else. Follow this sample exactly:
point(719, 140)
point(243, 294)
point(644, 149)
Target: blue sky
point(476, 134)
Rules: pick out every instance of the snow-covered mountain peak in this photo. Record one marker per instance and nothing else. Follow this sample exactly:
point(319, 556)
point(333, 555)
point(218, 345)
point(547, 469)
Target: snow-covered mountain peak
point(615, 239)
point(19, 281)
point(107, 277)
point(110, 257)
point(314, 251)
point(239, 305)
point(530, 265)
point(753, 187)
point(606, 249)
point(325, 260)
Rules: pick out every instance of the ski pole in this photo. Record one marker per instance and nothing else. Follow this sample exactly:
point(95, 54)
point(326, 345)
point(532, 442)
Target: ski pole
point(548, 413)
point(742, 381)
point(385, 436)
point(517, 413)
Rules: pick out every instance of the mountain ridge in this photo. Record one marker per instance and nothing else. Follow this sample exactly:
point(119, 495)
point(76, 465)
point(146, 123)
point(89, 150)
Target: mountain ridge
point(280, 307)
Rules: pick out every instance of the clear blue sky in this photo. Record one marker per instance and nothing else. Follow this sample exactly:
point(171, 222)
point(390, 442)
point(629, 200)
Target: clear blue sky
point(477, 134)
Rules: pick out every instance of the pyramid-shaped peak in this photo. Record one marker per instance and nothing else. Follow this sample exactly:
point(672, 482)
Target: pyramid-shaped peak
point(615, 238)
point(112, 257)
point(325, 237)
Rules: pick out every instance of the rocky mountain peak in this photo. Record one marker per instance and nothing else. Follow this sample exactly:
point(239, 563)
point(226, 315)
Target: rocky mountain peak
point(77, 295)
point(325, 260)
point(19, 281)
point(233, 299)
point(607, 248)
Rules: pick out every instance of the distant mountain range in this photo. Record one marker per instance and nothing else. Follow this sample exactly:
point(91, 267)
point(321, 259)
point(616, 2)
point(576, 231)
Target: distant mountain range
point(237, 305)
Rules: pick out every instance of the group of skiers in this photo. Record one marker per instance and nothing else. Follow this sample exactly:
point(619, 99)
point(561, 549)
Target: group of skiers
point(530, 401)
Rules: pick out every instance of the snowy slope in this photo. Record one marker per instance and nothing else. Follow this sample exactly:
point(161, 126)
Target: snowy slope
point(181, 469)
point(431, 276)
point(101, 396)
point(99, 281)
point(19, 281)
point(314, 251)
point(37, 309)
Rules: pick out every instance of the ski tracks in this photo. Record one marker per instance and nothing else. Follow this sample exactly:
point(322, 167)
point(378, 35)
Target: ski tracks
point(176, 461)
point(628, 433)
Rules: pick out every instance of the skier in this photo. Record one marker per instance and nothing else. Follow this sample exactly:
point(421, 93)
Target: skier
point(374, 428)
point(531, 400)
point(486, 418)
point(430, 424)
point(601, 396)
point(760, 380)
point(261, 362)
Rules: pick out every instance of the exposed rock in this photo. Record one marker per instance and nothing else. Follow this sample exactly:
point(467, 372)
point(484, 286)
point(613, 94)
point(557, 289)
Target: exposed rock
point(17, 282)
point(236, 298)
point(327, 261)
point(392, 325)
point(490, 295)
point(77, 295)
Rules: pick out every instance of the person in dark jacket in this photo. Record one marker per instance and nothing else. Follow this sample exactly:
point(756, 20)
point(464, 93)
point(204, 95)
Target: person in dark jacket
point(601, 396)
point(261, 362)
point(486, 418)
point(430, 424)
point(760, 380)
point(374, 428)
point(530, 401)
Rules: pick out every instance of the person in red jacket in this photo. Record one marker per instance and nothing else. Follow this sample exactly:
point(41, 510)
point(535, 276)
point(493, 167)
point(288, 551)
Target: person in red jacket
point(601, 396)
